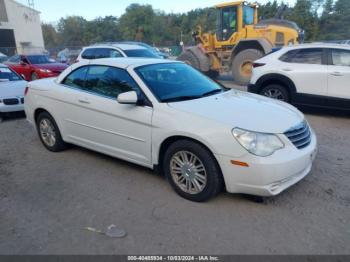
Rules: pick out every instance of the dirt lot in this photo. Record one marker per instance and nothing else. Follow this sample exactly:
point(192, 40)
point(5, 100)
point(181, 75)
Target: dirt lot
point(46, 201)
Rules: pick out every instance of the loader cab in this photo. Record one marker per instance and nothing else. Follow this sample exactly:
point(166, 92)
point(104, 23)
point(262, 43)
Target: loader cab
point(233, 17)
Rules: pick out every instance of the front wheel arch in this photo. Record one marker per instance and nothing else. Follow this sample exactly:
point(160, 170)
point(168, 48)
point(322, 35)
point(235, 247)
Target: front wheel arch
point(277, 79)
point(170, 140)
point(215, 183)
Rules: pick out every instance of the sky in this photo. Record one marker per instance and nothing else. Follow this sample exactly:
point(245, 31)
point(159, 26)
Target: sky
point(53, 10)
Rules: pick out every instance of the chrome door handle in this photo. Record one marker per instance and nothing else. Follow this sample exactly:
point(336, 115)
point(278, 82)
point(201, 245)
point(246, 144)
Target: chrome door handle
point(84, 101)
point(336, 74)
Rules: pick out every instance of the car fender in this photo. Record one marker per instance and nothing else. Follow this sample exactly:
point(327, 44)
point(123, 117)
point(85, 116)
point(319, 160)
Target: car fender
point(215, 136)
point(35, 102)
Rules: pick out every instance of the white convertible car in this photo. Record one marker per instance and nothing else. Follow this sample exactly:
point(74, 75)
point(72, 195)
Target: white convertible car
point(166, 115)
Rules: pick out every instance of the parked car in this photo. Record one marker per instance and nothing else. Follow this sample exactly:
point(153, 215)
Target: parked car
point(12, 88)
point(314, 75)
point(114, 50)
point(165, 114)
point(154, 50)
point(34, 67)
point(3, 58)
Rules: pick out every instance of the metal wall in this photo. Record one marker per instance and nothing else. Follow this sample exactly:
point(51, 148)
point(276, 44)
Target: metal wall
point(3, 12)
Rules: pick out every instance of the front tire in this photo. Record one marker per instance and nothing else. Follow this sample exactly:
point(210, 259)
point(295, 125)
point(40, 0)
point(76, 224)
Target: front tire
point(277, 92)
point(242, 65)
point(34, 76)
point(189, 58)
point(49, 133)
point(213, 74)
point(192, 171)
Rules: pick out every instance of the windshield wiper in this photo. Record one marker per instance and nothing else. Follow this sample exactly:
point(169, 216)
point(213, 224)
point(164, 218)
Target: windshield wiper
point(213, 92)
point(180, 98)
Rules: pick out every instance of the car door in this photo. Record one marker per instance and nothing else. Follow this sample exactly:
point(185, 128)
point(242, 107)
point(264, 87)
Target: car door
point(339, 78)
point(307, 68)
point(97, 121)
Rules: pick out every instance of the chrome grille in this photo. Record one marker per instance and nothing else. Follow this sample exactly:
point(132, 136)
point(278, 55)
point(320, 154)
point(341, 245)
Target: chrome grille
point(300, 135)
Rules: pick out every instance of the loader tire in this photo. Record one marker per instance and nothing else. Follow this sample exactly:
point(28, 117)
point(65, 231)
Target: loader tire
point(189, 58)
point(242, 65)
point(213, 74)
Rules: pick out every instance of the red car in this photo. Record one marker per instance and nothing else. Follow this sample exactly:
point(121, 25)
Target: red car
point(34, 67)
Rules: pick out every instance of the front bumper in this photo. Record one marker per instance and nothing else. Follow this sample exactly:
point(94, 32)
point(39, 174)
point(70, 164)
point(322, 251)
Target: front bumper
point(11, 108)
point(268, 176)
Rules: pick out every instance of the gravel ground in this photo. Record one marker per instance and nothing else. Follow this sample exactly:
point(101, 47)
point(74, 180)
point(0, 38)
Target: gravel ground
point(46, 201)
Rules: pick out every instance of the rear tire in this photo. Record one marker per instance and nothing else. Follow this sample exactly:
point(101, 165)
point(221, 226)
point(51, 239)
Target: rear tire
point(49, 133)
point(213, 74)
point(277, 92)
point(241, 63)
point(192, 171)
point(189, 58)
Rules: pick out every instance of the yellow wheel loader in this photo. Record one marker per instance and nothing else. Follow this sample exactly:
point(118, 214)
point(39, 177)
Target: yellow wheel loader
point(240, 39)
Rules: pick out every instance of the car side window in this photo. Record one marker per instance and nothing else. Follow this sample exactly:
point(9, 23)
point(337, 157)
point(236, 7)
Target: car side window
point(89, 54)
point(107, 53)
point(109, 81)
point(340, 57)
point(311, 56)
point(76, 79)
point(287, 57)
point(96, 53)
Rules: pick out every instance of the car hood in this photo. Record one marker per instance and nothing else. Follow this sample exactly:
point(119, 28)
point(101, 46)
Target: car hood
point(12, 89)
point(52, 66)
point(244, 110)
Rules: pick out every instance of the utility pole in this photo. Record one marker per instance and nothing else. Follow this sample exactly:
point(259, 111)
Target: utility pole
point(182, 42)
point(31, 3)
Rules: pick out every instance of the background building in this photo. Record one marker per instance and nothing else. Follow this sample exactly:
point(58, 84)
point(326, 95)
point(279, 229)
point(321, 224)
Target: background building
point(20, 28)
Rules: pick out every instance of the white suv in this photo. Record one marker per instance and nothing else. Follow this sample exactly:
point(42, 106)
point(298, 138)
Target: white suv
point(312, 74)
point(114, 50)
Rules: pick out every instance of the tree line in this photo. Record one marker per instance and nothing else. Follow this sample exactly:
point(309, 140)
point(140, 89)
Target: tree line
point(321, 20)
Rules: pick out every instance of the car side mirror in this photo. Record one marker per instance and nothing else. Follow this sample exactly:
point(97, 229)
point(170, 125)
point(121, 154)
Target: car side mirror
point(23, 76)
point(22, 63)
point(128, 98)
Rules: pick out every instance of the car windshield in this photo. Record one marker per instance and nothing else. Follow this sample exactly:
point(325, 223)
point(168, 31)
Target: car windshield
point(140, 53)
point(3, 58)
point(6, 74)
point(177, 82)
point(39, 59)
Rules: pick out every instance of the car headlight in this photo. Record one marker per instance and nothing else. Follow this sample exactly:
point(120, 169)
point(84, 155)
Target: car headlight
point(45, 70)
point(259, 144)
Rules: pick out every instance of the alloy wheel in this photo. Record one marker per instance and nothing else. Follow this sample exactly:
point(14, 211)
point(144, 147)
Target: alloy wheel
point(274, 94)
point(188, 172)
point(47, 132)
